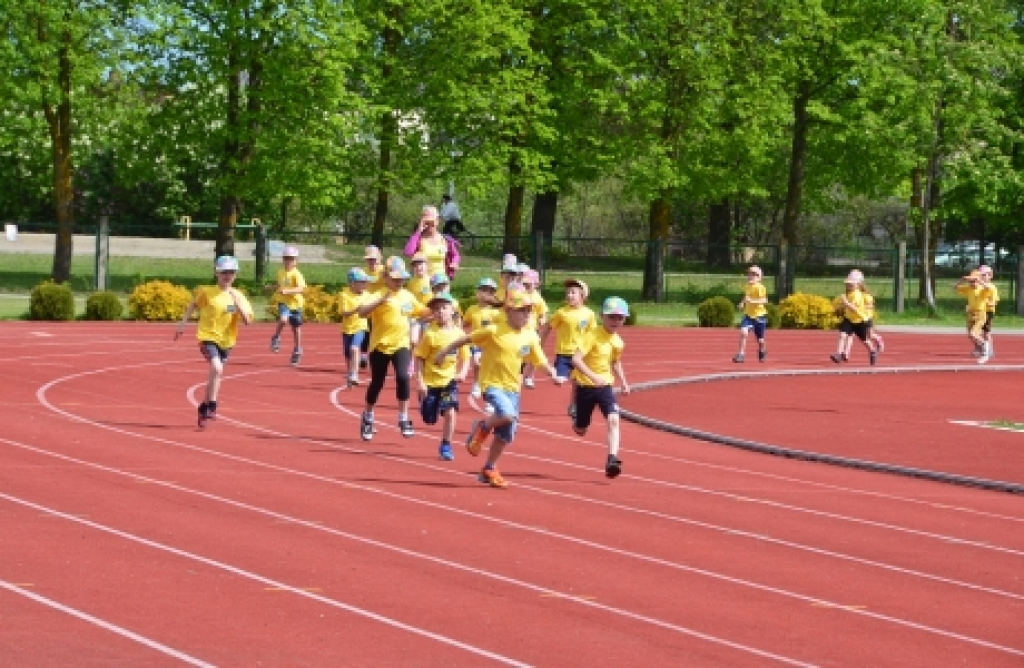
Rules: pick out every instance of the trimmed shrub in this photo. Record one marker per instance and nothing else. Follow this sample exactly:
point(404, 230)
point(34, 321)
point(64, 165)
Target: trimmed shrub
point(631, 318)
point(51, 301)
point(158, 301)
point(103, 306)
point(800, 311)
point(774, 316)
point(320, 305)
point(716, 312)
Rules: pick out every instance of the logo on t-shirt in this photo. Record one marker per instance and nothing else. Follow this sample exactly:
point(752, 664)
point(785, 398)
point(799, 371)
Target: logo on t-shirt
point(406, 308)
point(584, 324)
point(230, 308)
point(524, 351)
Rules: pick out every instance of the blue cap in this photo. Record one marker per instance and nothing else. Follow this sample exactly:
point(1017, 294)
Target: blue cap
point(357, 275)
point(396, 268)
point(439, 279)
point(615, 306)
point(486, 283)
point(225, 263)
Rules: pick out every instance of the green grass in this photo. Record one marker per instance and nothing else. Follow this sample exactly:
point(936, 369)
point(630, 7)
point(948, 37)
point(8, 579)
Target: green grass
point(1007, 424)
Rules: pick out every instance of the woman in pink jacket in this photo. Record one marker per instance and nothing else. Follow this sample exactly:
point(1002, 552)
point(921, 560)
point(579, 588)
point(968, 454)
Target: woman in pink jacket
point(441, 250)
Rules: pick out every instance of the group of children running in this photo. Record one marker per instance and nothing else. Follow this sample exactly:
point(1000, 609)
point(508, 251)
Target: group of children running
point(410, 322)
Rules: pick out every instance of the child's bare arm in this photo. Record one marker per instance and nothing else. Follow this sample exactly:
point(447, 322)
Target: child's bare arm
point(447, 350)
point(189, 310)
point(244, 313)
point(620, 373)
point(368, 308)
point(418, 372)
point(580, 365)
point(463, 371)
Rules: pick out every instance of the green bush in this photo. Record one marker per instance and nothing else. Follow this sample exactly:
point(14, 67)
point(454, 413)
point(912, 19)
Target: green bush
point(774, 316)
point(51, 301)
point(631, 318)
point(103, 306)
point(800, 311)
point(716, 312)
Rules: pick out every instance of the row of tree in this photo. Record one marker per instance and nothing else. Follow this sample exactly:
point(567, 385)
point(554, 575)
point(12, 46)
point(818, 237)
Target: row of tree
point(151, 109)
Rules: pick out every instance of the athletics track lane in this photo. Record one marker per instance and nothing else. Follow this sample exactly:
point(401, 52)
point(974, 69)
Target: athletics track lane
point(382, 475)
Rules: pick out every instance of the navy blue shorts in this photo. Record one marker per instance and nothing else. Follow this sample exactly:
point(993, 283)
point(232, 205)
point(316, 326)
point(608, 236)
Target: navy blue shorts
point(588, 398)
point(563, 365)
point(859, 329)
point(757, 324)
point(209, 350)
point(438, 400)
point(294, 315)
point(350, 341)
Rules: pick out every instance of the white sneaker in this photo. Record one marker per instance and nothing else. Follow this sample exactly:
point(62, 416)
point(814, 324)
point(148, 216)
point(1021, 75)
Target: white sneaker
point(528, 382)
point(489, 409)
point(983, 359)
point(476, 391)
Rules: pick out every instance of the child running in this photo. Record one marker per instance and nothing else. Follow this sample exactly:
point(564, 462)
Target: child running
point(869, 323)
point(597, 358)
point(439, 382)
point(854, 319)
point(978, 295)
point(220, 308)
point(353, 327)
point(390, 311)
point(479, 315)
point(288, 295)
point(530, 282)
point(375, 271)
point(505, 346)
point(419, 286)
point(990, 308)
point(571, 323)
point(755, 314)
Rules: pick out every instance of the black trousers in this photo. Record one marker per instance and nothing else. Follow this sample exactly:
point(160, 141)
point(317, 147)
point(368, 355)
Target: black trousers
point(379, 370)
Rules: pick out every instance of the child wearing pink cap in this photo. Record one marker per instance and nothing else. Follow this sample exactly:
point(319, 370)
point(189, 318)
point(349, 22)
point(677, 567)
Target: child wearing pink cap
point(288, 294)
point(855, 319)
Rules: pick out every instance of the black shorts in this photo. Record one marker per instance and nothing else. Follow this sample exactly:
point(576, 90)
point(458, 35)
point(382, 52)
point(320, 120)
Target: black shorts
point(987, 327)
point(438, 400)
point(587, 398)
point(209, 350)
point(858, 328)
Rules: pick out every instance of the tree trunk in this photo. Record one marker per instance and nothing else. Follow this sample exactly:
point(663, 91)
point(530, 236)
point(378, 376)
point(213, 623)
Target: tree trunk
point(388, 129)
point(797, 162)
point(227, 220)
point(58, 121)
point(719, 234)
point(654, 268)
point(545, 206)
point(514, 208)
point(930, 228)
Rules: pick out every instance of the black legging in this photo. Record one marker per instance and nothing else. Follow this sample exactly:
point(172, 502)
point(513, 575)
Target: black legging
point(379, 369)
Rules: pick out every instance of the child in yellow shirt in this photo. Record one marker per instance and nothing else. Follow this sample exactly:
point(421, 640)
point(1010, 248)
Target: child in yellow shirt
point(755, 313)
point(288, 291)
point(571, 324)
point(530, 282)
point(505, 346)
point(979, 295)
point(869, 323)
point(220, 308)
point(439, 382)
point(855, 317)
point(374, 268)
point(990, 308)
point(353, 327)
point(481, 314)
point(598, 357)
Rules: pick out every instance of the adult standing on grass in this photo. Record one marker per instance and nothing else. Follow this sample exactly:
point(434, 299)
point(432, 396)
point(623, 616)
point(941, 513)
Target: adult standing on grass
point(451, 216)
point(220, 308)
point(441, 251)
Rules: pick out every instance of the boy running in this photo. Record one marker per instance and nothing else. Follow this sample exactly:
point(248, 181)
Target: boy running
point(598, 357)
point(220, 308)
point(288, 295)
point(990, 309)
point(439, 383)
point(479, 315)
point(978, 295)
point(571, 323)
point(353, 327)
point(505, 347)
point(869, 323)
point(854, 319)
point(755, 313)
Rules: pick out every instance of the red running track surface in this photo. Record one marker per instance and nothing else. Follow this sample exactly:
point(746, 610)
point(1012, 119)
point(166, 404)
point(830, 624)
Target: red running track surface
point(277, 536)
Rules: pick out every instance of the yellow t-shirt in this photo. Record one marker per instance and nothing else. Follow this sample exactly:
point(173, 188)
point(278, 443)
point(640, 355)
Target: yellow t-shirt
point(433, 341)
point(389, 322)
point(993, 297)
point(436, 253)
point(571, 325)
point(290, 279)
point(540, 310)
point(600, 349)
point(349, 301)
point(504, 351)
point(754, 291)
point(857, 314)
point(869, 307)
point(977, 296)
point(480, 316)
point(376, 278)
point(419, 286)
point(218, 315)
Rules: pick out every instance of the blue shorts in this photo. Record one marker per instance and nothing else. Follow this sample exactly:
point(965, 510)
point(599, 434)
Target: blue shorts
point(563, 365)
point(294, 315)
point(349, 341)
point(439, 400)
point(587, 398)
point(210, 350)
point(506, 404)
point(757, 324)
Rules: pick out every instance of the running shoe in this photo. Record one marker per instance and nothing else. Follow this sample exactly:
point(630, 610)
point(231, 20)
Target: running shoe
point(204, 415)
point(836, 357)
point(738, 359)
point(572, 411)
point(353, 381)
point(846, 358)
point(445, 452)
point(983, 359)
point(489, 409)
point(476, 391)
point(275, 344)
point(366, 427)
point(613, 467)
point(492, 477)
point(405, 426)
point(364, 362)
point(762, 355)
point(880, 346)
point(477, 435)
point(296, 356)
point(873, 355)
point(528, 382)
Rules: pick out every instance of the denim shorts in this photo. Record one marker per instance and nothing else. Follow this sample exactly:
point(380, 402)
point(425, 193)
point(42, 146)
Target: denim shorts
point(757, 324)
point(563, 365)
point(506, 404)
point(209, 350)
point(439, 400)
point(294, 315)
point(349, 341)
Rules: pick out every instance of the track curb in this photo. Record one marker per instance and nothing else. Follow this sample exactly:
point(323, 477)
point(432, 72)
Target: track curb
point(819, 457)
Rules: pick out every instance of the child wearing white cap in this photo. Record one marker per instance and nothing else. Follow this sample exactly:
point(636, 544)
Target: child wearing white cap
point(855, 317)
point(288, 291)
point(755, 314)
point(571, 324)
point(220, 308)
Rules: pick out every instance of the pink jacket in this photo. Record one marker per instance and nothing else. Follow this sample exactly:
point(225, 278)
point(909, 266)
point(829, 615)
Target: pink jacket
point(451, 258)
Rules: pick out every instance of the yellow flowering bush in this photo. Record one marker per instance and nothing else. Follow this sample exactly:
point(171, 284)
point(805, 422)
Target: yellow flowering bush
point(158, 301)
point(320, 306)
point(801, 311)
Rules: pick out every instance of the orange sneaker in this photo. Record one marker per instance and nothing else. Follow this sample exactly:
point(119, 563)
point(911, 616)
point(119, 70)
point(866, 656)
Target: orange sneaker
point(492, 478)
point(477, 435)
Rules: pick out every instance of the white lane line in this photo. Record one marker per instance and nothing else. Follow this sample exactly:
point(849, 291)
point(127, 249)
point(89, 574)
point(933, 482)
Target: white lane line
point(985, 425)
point(298, 591)
point(318, 526)
point(113, 628)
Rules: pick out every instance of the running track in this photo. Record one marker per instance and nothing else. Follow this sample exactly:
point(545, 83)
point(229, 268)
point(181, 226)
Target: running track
point(276, 536)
